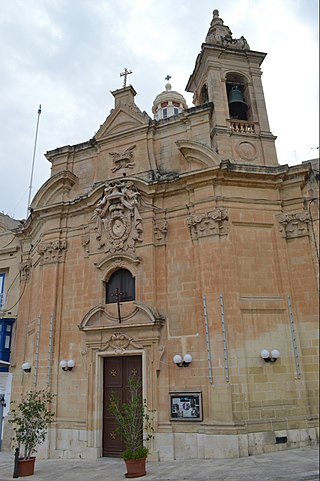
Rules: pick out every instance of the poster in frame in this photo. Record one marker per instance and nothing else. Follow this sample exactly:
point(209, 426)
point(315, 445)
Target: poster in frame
point(185, 406)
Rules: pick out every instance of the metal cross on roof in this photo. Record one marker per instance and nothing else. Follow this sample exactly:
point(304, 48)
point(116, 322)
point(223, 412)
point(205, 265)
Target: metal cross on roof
point(168, 77)
point(125, 75)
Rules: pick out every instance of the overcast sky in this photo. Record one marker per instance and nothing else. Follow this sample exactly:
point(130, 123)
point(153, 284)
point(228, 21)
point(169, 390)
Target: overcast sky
point(67, 55)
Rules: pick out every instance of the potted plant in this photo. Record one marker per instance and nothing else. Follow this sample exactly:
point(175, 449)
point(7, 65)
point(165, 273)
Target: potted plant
point(135, 427)
point(30, 419)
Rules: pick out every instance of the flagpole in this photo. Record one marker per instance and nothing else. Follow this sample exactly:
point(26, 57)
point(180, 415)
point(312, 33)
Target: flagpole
point(33, 159)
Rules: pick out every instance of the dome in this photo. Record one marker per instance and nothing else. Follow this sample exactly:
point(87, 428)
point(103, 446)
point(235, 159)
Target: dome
point(168, 103)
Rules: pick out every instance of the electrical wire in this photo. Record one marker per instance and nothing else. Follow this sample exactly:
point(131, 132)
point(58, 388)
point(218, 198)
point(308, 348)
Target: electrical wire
point(9, 308)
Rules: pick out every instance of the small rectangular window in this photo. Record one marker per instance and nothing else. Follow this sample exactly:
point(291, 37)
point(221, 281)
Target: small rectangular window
point(175, 111)
point(7, 342)
point(165, 113)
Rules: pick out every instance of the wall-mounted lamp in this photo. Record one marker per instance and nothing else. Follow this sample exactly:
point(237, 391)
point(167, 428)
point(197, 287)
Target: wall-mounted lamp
point(187, 358)
point(26, 367)
point(67, 365)
point(270, 357)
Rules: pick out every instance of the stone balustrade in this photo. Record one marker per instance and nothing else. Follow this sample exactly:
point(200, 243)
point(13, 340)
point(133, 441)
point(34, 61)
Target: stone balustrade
point(242, 126)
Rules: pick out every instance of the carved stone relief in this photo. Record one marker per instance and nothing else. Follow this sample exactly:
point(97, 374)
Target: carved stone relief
point(51, 252)
point(294, 225)
point(118, 221)
point(247, 150)
point(160, 230)
point(25, 268)
point(211, 223)
point(119, 342)
point(85, 242)
point(124, 160)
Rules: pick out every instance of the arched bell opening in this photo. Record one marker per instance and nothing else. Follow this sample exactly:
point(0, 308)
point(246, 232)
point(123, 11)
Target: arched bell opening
point(238, 97)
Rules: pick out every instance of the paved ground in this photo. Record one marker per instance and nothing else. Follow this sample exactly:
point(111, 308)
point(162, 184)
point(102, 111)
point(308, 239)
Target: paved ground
point(291, 465)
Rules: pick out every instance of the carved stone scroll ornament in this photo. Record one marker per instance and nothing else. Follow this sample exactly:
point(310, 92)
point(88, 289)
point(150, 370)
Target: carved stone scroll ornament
point(51, 252)
point(294, 225)
point(124, 160)
point(120, 342)
point(212, 223)
point(118, 221)
point(85, 242)
point(160, 230)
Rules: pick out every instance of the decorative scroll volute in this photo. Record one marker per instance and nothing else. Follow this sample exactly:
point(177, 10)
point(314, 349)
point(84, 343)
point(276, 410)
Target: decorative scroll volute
point(207, 224)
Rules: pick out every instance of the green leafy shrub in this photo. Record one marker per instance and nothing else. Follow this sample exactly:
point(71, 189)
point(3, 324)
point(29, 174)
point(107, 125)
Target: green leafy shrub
point(134, 421)
point(30, 419)
point(139, 453)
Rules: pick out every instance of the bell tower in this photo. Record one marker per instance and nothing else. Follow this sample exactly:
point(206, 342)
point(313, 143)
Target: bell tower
point(228, 74)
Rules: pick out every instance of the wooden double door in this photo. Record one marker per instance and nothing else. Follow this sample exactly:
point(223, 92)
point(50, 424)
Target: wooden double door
point(116, 373)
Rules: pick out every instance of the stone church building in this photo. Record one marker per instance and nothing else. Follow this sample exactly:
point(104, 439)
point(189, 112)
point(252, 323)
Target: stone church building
point(177, 250)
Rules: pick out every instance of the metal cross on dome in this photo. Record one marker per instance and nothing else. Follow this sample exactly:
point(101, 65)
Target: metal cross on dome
point(125, 74)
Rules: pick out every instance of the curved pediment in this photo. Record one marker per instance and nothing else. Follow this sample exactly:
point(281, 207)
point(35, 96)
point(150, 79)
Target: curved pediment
point(132, 314)
point(197, 154)
point(54, 190)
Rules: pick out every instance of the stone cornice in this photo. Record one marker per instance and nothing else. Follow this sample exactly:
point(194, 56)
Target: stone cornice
point(227, 172)
point(9, 250)
point(69, 149)
point(221, 52)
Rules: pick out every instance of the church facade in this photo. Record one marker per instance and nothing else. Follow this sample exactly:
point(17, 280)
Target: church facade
point(176, 250)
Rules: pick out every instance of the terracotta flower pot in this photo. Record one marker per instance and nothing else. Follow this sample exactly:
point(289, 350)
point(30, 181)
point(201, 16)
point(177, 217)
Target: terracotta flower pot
point(26, 466)
point(135, 468)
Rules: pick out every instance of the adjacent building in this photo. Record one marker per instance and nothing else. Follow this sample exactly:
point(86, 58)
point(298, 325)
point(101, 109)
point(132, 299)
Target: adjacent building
point(9, 300)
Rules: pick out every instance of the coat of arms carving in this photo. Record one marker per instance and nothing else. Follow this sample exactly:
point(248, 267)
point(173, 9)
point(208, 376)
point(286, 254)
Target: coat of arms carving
point(119, 224)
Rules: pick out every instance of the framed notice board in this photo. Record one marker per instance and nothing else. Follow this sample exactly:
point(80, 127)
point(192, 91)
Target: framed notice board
point(185, 406)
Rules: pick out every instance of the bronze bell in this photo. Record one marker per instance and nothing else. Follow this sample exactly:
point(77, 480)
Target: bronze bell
point(237, 106)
